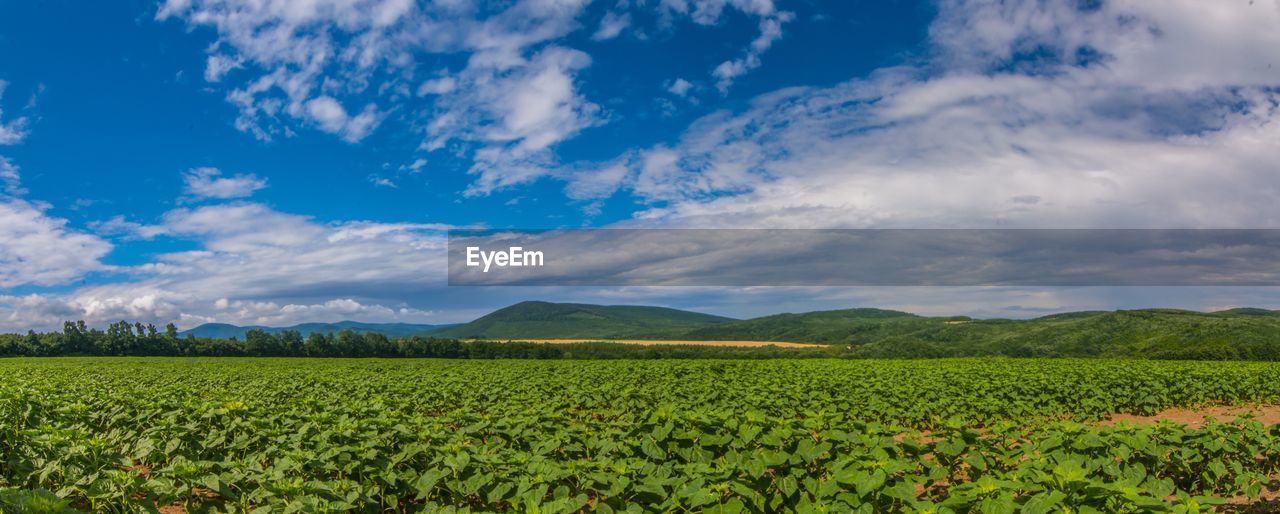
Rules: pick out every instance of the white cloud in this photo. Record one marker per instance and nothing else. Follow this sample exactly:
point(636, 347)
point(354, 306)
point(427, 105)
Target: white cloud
point(709, 12)
point(514, 99)
point(308, 59)
point(1174, 44)
point(253, 265)
point(770, 31)
point(679, 87)
point(14, 131)
point(10, 180)
point(332, 118)
point(517, 116)
point(272, 313)
point(416, 165)
point(206, 183)
point(611, 26)
point(37, 249)
point(956, 143)
point(438, 86)
point(119, 226)
point(292, 48)
point(218, 66)
point(600, 182)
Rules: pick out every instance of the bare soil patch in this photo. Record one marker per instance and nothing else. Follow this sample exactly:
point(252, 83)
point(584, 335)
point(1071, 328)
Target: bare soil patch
point(1268, 501)
point(653, 342)
point(1195, 418)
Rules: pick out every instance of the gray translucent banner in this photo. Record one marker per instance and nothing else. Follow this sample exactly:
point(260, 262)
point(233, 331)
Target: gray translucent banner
point(881, 257)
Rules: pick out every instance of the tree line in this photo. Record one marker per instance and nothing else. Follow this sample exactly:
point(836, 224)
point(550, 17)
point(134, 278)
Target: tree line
point(137, 339)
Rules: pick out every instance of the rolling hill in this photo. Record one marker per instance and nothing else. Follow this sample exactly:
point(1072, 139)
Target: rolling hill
point(1150, 333)
point(546, 320)
point(226, 331)
point(810, 327)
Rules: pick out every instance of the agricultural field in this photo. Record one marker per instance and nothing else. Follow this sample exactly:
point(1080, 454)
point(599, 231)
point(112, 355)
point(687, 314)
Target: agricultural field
point(406, 435)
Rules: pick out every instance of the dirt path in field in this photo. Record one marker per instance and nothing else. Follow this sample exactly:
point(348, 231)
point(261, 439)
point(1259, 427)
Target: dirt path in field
point(653, 342)
point(1195, 418)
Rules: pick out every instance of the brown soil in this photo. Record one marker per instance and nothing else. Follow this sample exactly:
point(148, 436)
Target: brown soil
point(1268, 501)
point(1195, 418)
point(141, 469)
point(651, 342)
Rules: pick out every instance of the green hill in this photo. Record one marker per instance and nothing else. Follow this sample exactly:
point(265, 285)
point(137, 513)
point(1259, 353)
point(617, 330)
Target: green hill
point(1151, 333)
point(840, 326)
point(545, 320)
point(1155, 333)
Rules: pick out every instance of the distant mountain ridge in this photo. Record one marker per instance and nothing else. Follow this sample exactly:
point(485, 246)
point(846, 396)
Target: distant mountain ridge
point(546, 320)
point(1243, 333)
point(227, 331)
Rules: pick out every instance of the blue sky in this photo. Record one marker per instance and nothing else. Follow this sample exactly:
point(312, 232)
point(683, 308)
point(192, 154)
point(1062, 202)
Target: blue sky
point(285, 161)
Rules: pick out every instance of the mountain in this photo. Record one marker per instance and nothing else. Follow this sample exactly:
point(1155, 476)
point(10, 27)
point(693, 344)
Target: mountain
point(546, 320)
point(226, 331)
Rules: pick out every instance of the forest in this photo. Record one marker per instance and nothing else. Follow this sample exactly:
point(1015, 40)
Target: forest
point(137, 339)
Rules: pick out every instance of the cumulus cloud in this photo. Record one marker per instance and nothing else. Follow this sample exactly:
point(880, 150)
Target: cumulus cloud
point(209, 183)
point(299, 52)
point(308, 61)
point(1176, 44)
point(272, 313)
point(516, 96)
point(679, 87)
point(331, 117)
point(38, 249)
point(518, 117)
point(13, 132)
point(1056, 101)
point(253, 264)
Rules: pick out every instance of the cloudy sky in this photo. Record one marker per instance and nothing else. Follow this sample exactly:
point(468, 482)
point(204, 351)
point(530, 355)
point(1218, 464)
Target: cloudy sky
point(280, 161)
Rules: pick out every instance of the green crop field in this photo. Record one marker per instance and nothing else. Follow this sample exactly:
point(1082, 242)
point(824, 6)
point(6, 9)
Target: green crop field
point(312, 435)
